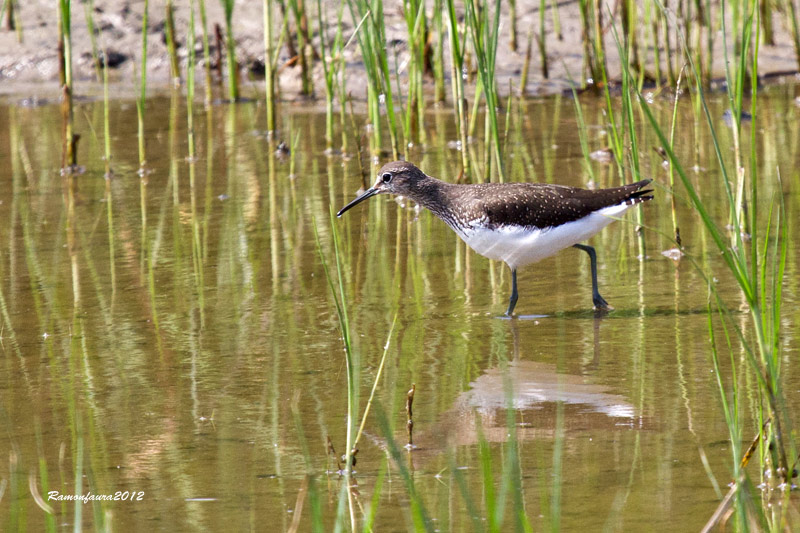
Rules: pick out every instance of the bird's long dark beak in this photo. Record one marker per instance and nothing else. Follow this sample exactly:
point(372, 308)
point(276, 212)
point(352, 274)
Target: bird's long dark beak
point(372, 191)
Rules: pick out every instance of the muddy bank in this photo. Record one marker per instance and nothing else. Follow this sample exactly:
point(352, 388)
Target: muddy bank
point(31, 66)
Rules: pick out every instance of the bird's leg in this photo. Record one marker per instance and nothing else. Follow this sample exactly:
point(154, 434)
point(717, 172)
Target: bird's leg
point(599, 302)
point(512, 302)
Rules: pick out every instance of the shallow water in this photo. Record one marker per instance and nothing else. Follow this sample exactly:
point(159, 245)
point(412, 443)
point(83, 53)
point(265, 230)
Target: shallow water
point(156, 332)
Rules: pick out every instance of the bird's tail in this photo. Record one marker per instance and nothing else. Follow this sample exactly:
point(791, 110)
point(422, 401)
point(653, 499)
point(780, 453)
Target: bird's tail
point(638, 193)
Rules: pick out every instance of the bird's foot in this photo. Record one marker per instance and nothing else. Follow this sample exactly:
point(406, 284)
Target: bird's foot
point(600, 304)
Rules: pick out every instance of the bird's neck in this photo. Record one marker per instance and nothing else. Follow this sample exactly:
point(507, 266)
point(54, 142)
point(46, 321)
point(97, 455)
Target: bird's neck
point(429, 193)
point(432, 194)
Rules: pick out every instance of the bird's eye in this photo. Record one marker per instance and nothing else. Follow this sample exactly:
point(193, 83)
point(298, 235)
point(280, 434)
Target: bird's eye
point(386, 177)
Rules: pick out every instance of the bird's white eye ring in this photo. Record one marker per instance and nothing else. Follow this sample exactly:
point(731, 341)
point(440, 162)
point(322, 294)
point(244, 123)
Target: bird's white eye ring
point(386, 177)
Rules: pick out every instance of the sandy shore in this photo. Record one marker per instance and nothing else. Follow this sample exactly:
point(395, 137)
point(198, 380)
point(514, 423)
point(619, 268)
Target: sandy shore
point(31, 66)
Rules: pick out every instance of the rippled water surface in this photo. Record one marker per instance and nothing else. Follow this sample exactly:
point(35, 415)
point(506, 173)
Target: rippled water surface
point(156, 332)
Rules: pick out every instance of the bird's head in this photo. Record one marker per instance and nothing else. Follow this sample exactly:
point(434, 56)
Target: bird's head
point(397, 177)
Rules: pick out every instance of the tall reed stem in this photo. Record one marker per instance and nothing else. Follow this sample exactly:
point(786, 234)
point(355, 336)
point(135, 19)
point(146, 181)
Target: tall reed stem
point(414, 13)
point(233, 64)
point(70, 139)
point(330, 66)
point(372, 41)
point(169, 30)
point(484, 41)
point(438, 52)
point(542, 41)
point(206, 54)
point(304, 45)
point(269, 71)
point(106, 118)
point(88, 12)
point(795, 30)
point(141, 101)
point(457, 76)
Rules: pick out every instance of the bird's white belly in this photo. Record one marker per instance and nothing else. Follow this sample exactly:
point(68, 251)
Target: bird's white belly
point(519, 246)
